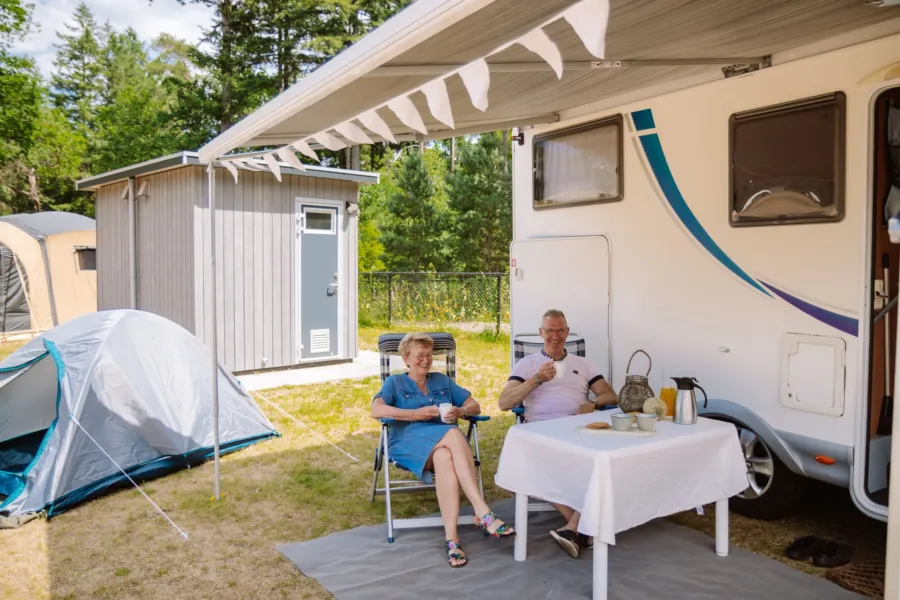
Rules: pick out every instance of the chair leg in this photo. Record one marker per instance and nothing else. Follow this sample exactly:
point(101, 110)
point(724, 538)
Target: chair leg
point(477, 458)
point(387, 485)
point(379, 453)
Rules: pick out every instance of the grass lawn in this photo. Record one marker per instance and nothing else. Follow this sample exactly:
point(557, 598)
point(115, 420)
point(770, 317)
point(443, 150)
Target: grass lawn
point(289, 489)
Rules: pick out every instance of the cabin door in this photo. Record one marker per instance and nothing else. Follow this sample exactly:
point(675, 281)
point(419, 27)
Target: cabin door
point(319, 293)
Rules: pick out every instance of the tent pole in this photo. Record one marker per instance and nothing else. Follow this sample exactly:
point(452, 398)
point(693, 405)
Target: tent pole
point(213, 340)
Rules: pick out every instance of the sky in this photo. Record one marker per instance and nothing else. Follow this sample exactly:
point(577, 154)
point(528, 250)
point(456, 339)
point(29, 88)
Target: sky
point(148, 20)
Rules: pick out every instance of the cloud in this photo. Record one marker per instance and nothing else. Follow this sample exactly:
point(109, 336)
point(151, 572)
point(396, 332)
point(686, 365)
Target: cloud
point(148, 20)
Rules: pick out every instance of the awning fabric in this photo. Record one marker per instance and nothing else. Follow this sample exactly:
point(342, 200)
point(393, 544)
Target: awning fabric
point(444, 68)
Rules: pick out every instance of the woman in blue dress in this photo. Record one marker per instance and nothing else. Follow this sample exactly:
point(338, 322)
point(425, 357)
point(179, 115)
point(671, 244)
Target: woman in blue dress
point(420, 441)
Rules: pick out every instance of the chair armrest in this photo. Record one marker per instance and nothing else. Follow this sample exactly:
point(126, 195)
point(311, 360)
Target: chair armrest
point(518, 410)
point(478, 418)
point(608, 407)
point(387, 421)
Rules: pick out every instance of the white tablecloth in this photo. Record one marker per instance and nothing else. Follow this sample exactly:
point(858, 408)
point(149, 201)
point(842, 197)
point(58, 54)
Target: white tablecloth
point(620, 482)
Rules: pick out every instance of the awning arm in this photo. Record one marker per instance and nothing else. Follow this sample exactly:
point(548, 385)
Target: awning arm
point(585, 65)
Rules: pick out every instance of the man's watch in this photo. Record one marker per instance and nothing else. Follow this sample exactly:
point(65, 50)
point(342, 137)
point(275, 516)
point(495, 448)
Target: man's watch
point(537, 379)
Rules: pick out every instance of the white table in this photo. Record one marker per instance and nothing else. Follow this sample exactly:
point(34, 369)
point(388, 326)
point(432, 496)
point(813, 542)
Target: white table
point(618, 482)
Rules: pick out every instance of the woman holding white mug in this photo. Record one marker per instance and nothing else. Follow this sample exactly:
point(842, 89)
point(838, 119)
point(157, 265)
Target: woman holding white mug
point(426, 438)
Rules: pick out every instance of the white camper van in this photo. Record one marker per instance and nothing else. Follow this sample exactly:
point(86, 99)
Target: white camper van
point(735, 231)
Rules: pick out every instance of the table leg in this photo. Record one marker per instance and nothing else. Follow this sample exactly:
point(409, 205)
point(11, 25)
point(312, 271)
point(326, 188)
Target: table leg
point(600, 567)
point(521, 527)
point(722, 527)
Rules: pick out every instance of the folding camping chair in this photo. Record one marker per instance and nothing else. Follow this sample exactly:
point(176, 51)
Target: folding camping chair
point(388, 345)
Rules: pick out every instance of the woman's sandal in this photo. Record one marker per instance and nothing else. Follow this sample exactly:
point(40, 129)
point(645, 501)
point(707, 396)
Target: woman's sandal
point(487, 520)
point(455, 552)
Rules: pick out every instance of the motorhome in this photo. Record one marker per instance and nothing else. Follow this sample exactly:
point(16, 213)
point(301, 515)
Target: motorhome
point(735, 231)
point(714, 183)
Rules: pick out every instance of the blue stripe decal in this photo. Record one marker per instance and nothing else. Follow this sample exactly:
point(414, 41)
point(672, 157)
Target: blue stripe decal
point(643, 119)
point(848, 325)
point(659, 164)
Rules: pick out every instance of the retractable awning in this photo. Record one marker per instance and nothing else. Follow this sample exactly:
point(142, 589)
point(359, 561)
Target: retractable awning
point(444, 68)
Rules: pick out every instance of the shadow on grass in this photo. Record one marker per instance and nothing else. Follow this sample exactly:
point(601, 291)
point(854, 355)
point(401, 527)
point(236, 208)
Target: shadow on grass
point(119, 546)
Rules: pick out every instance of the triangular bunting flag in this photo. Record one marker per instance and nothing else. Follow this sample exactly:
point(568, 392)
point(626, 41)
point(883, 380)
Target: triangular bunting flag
point(407, 113)
point(285, 154)
point(231, 169)
point(353, 133)
point(329, 141)
point(375, 123)
point(540, 43)
point(589, 19)
point(269, 159)
point(439, 101)
point(303, 148)
point(477, 77)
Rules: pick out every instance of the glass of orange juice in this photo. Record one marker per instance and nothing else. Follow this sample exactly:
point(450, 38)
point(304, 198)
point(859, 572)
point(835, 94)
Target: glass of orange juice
point(667, 395)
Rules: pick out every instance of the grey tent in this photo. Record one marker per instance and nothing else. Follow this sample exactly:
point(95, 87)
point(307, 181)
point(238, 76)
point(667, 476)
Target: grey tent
point(125, 386)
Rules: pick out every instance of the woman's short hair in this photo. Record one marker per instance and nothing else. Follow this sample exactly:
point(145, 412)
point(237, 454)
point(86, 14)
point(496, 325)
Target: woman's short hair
point(414, 338)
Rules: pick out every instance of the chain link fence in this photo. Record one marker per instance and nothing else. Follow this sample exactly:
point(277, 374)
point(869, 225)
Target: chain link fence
point(452, 297)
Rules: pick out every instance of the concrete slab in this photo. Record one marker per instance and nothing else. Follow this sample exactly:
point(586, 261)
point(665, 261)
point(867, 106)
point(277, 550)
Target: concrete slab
point(365, 365)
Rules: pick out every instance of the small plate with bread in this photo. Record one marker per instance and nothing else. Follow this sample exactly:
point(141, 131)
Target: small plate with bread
point(604, 428)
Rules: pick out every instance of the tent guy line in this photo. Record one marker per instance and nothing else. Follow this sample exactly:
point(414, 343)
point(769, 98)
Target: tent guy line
point(150, 500)
point(296, 420)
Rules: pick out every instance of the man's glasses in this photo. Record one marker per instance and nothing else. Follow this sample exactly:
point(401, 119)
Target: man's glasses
point(556, 331)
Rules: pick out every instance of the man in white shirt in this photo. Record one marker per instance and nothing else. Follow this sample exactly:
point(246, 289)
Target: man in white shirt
point(534, 383)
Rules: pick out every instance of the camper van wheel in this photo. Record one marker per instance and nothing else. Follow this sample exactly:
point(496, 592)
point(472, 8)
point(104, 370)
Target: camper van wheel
point(773, 490)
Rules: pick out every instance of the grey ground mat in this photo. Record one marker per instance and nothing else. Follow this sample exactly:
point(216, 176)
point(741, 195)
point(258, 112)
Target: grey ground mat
point(657, 561)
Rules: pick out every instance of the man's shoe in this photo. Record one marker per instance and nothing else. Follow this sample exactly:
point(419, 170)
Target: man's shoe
point(586, 540)
point(567, 540)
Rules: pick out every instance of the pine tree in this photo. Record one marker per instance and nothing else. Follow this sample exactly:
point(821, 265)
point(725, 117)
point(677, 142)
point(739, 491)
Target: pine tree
point(77, 81)
point(132, 124)
point(480, 198)
point(413, 227)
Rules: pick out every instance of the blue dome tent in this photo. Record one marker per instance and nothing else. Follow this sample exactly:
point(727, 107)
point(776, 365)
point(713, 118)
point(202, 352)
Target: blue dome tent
point(110, 389)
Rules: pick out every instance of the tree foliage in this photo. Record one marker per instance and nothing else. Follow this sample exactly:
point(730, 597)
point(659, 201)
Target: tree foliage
point(113, 100)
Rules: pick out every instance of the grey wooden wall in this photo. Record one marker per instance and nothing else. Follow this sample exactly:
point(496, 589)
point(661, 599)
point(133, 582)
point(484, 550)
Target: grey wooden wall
point(165, 258)
point(111, 215)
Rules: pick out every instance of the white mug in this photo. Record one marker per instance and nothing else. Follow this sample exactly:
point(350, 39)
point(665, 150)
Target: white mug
point(560, 368)
point(445, 408)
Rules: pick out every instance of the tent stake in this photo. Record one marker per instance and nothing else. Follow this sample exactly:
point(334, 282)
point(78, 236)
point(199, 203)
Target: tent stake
point(214, 342)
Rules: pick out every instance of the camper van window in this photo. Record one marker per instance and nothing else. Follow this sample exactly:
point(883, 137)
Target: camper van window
point(787, 163)
point(87, 259)
point(579, 165)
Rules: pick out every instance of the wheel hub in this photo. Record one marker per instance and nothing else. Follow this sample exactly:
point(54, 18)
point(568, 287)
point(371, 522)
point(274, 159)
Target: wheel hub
point(759, 462)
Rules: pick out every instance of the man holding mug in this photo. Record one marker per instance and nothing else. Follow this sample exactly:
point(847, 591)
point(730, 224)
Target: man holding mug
point(553, 384)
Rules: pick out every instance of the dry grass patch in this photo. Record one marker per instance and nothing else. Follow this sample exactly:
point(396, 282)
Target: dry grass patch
point(288, 489)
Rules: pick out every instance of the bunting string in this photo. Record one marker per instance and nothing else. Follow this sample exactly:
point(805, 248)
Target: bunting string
point(588, 19)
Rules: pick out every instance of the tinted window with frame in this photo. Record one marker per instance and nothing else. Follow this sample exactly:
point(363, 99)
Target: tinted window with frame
point(787, 163)
point(579, 165)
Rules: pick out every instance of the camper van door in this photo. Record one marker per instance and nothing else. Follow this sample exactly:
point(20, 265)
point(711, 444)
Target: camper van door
point(570, 274)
